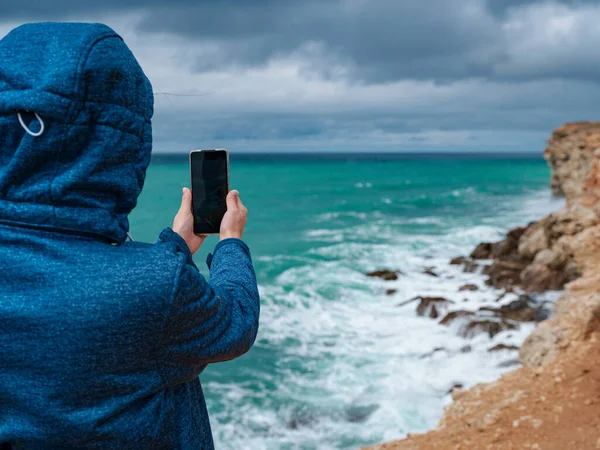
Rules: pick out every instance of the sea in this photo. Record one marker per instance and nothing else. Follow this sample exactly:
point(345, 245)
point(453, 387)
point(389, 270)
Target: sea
point(338, 364)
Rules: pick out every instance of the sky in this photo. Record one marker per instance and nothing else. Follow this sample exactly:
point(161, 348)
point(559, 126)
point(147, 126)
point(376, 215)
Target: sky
point(353, 75)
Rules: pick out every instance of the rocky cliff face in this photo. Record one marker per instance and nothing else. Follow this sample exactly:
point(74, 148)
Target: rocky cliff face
point(552, 402)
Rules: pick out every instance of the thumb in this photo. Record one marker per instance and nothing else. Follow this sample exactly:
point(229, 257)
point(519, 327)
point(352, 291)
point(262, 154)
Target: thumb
point(232, 200)
point(186, 201)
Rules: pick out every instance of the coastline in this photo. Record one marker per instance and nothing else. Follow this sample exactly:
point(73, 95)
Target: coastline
point(553, 400)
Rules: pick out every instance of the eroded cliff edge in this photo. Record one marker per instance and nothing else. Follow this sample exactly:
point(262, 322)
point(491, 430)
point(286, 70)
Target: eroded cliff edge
point(553, 402)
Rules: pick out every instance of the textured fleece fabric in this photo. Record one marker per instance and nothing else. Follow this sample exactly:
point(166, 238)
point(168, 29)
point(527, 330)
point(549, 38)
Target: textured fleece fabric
point(102, 341)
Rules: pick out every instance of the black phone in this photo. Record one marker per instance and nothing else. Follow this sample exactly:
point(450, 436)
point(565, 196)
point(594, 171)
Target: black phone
point(209, 170)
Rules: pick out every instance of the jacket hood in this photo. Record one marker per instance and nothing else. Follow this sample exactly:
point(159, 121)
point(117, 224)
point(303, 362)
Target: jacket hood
point(85, 171)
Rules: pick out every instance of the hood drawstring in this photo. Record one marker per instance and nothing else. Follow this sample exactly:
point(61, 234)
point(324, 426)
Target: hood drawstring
point(42, 126)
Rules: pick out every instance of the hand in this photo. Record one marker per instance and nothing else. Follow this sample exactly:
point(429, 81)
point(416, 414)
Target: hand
point(183, 224)
point(234, 220)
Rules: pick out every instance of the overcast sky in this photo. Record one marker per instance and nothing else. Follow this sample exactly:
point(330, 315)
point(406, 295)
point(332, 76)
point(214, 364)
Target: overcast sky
point(358, 75)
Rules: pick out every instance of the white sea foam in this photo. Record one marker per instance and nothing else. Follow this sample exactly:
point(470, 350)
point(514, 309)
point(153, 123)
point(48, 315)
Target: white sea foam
point(357, 368)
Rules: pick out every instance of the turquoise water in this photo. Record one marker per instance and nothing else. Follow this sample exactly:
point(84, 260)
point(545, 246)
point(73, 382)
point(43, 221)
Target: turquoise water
point(336, 363)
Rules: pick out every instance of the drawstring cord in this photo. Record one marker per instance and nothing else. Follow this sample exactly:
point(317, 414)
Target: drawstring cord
point(39, 133)
point(42, 126)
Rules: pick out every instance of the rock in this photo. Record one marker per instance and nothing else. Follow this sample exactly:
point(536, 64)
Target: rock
point(474, 325)
point(471, 267)
point(505, 247)
point(540, 278)
point(521, 310)
point(385, 274)
point(390, 291)
point(454, 387)
point(429, 271)
point(454, 315)
point(468, 287)
point(491, 327)
point(518, 232)
point(503, 278)
point(482, 251)
point(466, 349)
point(543, 344)
point(509, 363)
point(499, 347)
point(430, 306)
point(533, 241)
point(459, 260)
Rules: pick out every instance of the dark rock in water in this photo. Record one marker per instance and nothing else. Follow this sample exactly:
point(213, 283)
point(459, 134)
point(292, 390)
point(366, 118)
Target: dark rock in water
point(360, 413)
point(454, 387)
point(509, 363)
point(459, 260)
point(391, 291)
point(429, 271)
point(497, 348)
point(454, 315)
point(500, 277)
point(506, 247)
point(301, 417)
point(433, 352)
point(491, 327)
point(471, 267)
point(524, 309)
point(430, 306)
point(482, 251)
point(516, 233)
point(466, 349)
point(468, 287)
point(385, 274)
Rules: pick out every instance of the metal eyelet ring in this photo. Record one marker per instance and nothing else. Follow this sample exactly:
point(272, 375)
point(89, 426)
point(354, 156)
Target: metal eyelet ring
point(42, 126)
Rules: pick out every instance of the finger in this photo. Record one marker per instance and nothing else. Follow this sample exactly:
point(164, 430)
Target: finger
point(186, 200)
point(232, 200)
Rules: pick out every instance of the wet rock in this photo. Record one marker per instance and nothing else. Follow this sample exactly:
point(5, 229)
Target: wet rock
point(468, 287)
point(384, 274)
point(454, 387)
point(499, 347)
point(471, 267)
point(501, 278)
point(518, 232)
point(505, 247)
point(431, 306)
point(390, 291)
point(523, 309)
point(489, 326)
point(482, 251)
point(429, 271)
point(459, 260)
point(456, 315)
point(509, 363)
point(433, 352)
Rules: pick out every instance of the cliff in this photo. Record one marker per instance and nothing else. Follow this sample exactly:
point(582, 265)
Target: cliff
point(553, 401)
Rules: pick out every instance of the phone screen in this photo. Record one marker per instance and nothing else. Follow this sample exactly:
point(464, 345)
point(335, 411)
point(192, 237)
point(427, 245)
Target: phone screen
point(210, 186)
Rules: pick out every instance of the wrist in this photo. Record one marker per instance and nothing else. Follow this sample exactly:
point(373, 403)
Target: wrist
point(224, 236)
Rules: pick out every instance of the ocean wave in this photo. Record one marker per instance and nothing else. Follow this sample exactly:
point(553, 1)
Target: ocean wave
point(344, 365)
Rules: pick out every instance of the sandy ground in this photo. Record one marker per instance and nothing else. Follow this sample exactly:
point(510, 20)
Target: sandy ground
point(556, 406)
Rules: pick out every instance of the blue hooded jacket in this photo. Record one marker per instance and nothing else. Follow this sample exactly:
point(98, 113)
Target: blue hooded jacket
point(101, 341)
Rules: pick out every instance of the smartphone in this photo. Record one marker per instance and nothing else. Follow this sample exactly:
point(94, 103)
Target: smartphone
point(209, 174)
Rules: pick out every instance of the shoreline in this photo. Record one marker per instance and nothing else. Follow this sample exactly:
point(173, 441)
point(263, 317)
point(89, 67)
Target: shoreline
point(529, 407)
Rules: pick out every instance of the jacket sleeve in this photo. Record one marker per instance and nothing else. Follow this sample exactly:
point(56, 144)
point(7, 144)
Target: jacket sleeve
point(215, 321)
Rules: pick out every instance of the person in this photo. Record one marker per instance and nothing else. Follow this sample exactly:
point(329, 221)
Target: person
point(102, 340)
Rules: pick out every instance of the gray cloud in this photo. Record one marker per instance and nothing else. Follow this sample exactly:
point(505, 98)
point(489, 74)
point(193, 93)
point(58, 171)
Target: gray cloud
point(341, 74)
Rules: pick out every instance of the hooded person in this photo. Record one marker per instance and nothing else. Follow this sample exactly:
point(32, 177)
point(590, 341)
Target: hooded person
point(102, 340)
